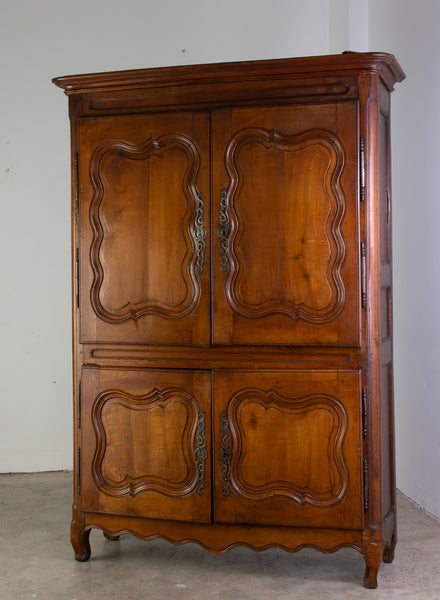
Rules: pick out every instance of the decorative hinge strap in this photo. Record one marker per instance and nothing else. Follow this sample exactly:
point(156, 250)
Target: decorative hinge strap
point(79, 404)
point(363, 276)
point(365, 485)
point(364, 413)
point(77, 276)
point(225, 453)
point(200, 234)
point(223, 231)
point(201, 453)
point(362, 169)
point(76, 184)
point(78, 469)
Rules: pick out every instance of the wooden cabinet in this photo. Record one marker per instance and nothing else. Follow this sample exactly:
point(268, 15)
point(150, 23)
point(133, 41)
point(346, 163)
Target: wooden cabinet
point(232, 305)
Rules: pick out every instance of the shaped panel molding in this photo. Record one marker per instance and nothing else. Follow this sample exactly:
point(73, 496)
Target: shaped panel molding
point(307, 264)
point(152, 442)
point(116, 159)
point(287, 447)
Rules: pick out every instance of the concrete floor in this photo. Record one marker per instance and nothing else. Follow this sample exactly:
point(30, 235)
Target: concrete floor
point(36, 559)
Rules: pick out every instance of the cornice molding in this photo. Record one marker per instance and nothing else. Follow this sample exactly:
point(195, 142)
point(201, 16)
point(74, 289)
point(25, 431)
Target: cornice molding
point(383, 64)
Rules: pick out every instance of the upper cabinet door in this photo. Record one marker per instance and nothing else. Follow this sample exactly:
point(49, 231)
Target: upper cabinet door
point(144, 260)
point(285, 190)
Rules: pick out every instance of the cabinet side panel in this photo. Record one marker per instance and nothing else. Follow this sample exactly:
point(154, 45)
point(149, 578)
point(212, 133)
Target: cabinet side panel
point(386, 322)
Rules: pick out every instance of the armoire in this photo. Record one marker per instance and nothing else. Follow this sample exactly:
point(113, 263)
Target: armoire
point(232, 305)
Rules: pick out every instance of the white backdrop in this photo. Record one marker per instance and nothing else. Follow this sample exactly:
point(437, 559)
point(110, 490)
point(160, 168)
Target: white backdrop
point(40, 40)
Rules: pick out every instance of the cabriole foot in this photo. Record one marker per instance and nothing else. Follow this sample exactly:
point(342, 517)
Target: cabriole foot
point(80, 542)
point(388, 553)
point(373, 559)
point(370, 577)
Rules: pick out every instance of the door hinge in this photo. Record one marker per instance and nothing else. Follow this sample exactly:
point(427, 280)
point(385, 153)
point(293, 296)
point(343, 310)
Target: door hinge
point(362, 169)
point(364, 413)
point(76, 184)
point(78, 469)
point(363, 276)
point(77, 277)
point(365, 485)
point(388, 205)
point(79, 405)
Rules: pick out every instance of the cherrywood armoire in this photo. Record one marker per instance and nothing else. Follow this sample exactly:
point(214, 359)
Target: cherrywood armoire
point(232, 305)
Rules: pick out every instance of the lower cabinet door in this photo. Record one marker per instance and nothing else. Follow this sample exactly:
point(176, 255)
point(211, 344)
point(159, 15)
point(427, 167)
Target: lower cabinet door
point(145, 443)
point(288, 448)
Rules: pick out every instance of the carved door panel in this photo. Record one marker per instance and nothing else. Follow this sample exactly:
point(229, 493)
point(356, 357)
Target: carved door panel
point(145, 443)
point(288, 448)
point(285, 198)
point(144, 256)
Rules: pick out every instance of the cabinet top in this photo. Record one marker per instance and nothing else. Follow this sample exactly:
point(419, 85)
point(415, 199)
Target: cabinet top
point(382, 64)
